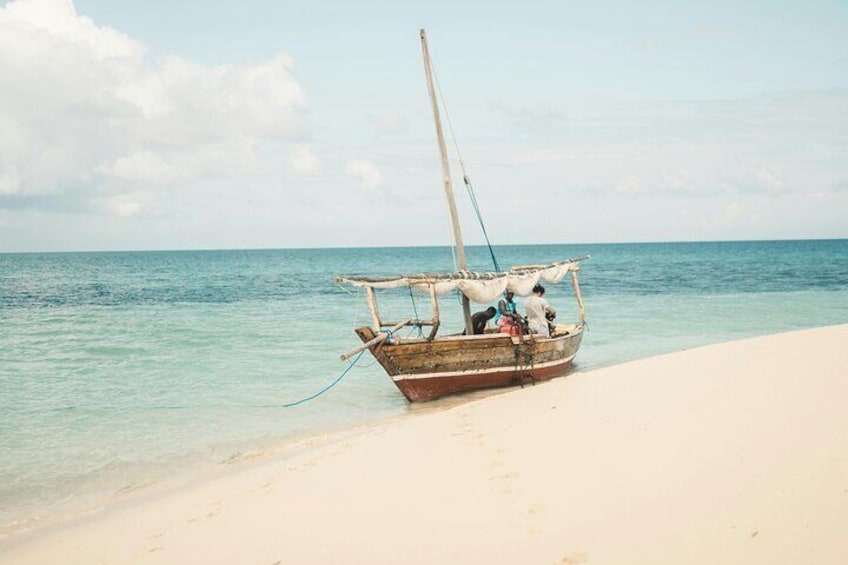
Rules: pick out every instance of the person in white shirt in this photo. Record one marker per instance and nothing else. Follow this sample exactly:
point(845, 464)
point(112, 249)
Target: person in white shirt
point(537, 309)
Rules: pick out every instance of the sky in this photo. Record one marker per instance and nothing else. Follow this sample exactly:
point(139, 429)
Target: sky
point(280, 124)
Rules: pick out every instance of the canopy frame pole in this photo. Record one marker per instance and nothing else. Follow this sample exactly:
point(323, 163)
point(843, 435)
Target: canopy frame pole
point(580, 311)
point(380, 338)
point(434, 301)
point(372, 307)
point(415, 323)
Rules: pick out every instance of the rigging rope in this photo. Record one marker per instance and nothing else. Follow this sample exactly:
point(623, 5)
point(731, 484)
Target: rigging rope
point(524, 358)
point(480, 219)
point(472, 196)
point(415, 309)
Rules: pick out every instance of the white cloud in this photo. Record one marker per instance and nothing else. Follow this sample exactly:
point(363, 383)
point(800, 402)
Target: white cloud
point(390, 123)
point(767, 180)
point(776, 144)
point(631, 184)
point(142, 166)
point(755, 180)
point(9, 181)
point(677, 179)
point(55, 22)
point(525, 156)
point(84, 113)
point(733, 211)
point(303, 161)
point(366, 173)
point(124, 205)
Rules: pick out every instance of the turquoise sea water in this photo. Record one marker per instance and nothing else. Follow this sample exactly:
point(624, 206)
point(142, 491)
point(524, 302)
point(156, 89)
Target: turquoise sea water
point(121, 369)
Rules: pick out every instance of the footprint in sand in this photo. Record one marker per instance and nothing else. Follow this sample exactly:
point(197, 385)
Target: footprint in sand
point(535, 508)
point(263, 488)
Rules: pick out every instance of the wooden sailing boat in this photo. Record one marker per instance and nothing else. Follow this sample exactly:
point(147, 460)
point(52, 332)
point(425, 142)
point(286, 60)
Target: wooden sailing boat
point(426, 368)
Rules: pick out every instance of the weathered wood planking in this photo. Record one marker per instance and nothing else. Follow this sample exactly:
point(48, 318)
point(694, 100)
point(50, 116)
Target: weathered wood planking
point(424, 370)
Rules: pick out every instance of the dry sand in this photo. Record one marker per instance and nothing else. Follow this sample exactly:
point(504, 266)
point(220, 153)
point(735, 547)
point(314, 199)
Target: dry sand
point(734, 453)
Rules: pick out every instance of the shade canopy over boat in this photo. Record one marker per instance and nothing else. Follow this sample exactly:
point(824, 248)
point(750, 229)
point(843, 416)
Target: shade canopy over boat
point(480, 287)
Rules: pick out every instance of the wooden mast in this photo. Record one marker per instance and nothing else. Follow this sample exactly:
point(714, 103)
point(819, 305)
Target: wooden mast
point(446, 177)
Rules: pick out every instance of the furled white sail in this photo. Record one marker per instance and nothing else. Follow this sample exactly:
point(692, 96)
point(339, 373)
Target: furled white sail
point(479, 287)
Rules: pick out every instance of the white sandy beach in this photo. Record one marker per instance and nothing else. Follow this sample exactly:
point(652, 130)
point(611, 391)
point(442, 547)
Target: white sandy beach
point(733, 453)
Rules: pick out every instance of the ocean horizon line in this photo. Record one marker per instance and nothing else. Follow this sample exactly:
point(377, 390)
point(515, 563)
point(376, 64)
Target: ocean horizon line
point(416, 246)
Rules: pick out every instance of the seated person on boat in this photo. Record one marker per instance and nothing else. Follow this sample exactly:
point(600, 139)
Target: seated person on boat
point(539, 312)
point(480, 319)
point(507, 319)
point(506, 307)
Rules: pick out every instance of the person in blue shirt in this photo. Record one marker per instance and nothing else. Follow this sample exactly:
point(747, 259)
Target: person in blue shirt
point(506, 306)
point(507, 319)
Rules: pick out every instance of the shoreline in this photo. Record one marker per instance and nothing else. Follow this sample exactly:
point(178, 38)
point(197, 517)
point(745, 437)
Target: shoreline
point(545, 484)
point(58, 516)
point(104, 503)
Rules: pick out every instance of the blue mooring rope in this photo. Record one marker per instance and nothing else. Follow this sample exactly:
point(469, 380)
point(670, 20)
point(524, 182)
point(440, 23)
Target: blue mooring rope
point(328, 387)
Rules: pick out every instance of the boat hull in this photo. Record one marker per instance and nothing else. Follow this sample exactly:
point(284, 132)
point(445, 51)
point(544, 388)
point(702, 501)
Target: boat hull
point(425, 370)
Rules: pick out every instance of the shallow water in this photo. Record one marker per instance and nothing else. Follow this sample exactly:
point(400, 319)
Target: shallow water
point(119, 369)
